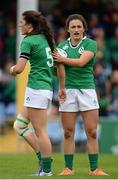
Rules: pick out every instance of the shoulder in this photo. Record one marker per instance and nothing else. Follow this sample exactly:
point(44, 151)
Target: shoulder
point(26, 43)
point(31, 38)
point(90, 41)
point(90, 44)
point(26, 39)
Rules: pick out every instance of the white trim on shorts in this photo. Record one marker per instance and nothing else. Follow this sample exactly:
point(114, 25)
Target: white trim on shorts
point(79, 100)
point(37, 98)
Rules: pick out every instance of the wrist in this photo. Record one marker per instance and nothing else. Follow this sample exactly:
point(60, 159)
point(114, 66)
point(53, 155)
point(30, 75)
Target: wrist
point(12, 70)
point(64, 60)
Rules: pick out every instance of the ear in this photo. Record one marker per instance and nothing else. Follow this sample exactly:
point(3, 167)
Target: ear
point(29, 25)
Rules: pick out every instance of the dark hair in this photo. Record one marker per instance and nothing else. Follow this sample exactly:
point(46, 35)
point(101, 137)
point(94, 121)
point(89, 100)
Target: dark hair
point(76, 17)
point(40, 25)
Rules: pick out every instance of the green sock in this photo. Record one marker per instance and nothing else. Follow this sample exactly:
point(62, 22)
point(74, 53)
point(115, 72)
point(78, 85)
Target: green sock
point(46, 164)
point(68, 161)
point(38, 154)
point(93, 160)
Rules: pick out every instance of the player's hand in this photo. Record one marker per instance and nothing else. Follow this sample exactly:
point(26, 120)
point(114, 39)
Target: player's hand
point(12, 71)
point(58, 57)
point(62, 95)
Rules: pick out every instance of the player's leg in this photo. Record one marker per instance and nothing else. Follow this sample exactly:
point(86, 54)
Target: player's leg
point(68, 122)
point(69, 111)
point(21, 126)
point(91, 119)
point(88, 104)
point(38, 119)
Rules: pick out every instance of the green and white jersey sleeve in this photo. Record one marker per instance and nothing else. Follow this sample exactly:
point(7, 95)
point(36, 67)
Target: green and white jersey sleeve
point(92, 46)
point(79, 78)
point(36, 49)
point(25, 49)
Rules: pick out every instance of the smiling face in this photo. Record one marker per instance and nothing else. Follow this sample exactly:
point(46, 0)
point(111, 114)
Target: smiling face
point(76, 30)
point(24, 27)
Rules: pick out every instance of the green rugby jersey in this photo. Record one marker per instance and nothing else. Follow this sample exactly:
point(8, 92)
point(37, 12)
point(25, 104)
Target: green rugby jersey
point(79, 78)
point(35, 48)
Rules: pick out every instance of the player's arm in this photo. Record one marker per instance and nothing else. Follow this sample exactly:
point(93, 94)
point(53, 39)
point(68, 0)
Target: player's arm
point(19, 67)
point(24, 56)
point(80, 62)
point(61, 76)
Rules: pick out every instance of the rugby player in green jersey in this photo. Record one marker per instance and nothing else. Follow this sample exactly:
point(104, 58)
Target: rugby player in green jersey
point(76, 66)
point(36, 48)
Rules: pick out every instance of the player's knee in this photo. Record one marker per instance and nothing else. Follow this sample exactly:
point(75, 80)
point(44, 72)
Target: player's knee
point(68, 133)
point(40, 132)
point(21, 126)
point(92, 133)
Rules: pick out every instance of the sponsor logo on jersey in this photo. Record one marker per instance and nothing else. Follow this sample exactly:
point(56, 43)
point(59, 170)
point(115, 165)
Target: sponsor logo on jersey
point(81, 50)
point(62, 52)
point(65, 47)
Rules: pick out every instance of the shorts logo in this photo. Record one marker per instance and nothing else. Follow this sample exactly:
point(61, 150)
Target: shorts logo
point(27, 99)
point(81, 50)
point(95, 102)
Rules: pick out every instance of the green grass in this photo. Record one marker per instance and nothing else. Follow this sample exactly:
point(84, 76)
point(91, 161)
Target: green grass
point(21, 166)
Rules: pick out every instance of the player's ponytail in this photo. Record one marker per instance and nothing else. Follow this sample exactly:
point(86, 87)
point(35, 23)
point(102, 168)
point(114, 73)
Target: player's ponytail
point(46, 30)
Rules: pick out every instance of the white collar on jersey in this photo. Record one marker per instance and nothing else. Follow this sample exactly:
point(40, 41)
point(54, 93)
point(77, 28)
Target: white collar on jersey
point(77, 44)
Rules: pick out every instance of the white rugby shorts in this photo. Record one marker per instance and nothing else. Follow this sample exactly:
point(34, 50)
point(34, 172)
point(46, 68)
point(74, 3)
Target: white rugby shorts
point(37, 98)
point(79, 100)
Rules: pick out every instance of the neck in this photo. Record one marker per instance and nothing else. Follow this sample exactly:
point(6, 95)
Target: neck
point(75, 42)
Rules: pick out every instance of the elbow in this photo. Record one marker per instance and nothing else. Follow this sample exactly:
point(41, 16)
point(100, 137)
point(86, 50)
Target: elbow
point(18, 71)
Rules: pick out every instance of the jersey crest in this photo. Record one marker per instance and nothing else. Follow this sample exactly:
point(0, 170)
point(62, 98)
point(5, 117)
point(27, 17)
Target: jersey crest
point(81, 50)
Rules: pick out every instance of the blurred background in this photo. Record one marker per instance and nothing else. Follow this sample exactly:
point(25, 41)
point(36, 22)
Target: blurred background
point(102, 19)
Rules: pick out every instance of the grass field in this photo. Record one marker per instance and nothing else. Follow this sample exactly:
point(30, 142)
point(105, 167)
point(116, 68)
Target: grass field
point(21, 166)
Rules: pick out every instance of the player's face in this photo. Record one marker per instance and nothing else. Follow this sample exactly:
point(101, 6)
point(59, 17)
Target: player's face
point(23, 26)
point(76, 30)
